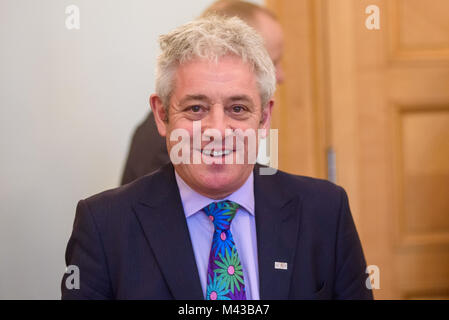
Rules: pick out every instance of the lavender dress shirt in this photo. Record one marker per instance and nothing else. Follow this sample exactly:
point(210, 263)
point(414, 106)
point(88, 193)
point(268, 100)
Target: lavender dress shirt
point(243, 228)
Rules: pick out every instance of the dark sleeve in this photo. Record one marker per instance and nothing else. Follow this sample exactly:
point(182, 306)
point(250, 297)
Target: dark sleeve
point(350, 261)
point(147, 152)
point(86, 253)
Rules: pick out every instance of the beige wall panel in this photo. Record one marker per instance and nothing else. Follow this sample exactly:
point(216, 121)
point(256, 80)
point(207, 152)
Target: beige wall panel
point(380, 98)
point(425, 156)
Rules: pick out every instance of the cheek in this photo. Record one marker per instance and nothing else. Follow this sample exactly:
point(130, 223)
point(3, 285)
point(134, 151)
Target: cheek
point(180, 124)
point(252, 122)
point(178, 136)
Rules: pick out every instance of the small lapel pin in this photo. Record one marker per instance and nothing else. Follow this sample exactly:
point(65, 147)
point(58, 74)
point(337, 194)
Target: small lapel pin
point(280, 265)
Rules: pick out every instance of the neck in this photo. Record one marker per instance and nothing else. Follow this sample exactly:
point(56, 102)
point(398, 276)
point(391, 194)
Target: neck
point(210, 192)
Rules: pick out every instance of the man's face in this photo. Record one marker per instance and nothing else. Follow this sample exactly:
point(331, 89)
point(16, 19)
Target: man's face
point(222, 96)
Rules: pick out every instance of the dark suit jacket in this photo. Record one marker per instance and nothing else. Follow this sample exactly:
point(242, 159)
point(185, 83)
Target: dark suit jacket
point(133, 242)
point(147, 152)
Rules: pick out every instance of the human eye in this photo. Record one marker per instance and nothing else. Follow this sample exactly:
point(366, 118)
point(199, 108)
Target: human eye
point(195, 111)
point(238, 109)
point(195, 108)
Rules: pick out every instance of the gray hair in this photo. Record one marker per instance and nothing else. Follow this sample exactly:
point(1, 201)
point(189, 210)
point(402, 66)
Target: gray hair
point(210, 38)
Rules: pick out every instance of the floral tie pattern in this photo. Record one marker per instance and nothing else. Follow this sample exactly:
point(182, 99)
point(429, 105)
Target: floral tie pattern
point(224, 274)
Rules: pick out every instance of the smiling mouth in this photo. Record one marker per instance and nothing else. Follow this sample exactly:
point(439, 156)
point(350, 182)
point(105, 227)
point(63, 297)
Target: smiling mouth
point(216, 153)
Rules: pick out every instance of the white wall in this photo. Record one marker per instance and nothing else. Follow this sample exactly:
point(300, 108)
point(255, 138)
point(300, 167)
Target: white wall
point(69, 101)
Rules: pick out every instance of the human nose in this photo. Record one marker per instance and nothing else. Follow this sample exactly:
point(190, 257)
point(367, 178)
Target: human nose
point(217, 120)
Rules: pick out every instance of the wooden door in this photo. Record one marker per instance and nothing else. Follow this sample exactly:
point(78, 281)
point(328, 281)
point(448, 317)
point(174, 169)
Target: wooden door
point(380, 99)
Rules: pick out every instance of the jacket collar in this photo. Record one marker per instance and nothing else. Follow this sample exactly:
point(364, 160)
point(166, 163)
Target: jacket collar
point(163, 221)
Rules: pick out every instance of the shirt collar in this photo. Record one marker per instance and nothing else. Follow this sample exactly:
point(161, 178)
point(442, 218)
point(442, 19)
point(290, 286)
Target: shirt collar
point(193, 202)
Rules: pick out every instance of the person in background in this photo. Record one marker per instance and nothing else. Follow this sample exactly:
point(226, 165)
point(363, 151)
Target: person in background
point(148, 151)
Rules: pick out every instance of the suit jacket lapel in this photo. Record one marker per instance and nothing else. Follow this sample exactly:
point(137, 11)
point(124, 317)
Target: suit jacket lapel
point(162, 218)
point(277, 224)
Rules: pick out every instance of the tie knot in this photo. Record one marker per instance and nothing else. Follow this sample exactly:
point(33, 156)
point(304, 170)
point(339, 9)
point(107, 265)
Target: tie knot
point(221, 213)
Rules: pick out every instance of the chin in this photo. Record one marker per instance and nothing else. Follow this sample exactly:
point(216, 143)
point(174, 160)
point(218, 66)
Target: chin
point(222, 178)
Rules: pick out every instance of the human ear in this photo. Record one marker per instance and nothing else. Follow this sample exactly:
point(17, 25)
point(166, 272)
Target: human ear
point(160, 114)
point(266, 115)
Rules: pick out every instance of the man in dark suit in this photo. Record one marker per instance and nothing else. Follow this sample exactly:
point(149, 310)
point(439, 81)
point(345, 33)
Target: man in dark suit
point(148, 151)
point(208, 226)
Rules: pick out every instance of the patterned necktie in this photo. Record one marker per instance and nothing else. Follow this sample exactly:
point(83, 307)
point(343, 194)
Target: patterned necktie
point(224, 273)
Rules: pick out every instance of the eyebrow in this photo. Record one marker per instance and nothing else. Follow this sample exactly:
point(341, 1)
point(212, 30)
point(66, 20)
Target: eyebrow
point(242, 97)
point(195, 97)
point(202, 97)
